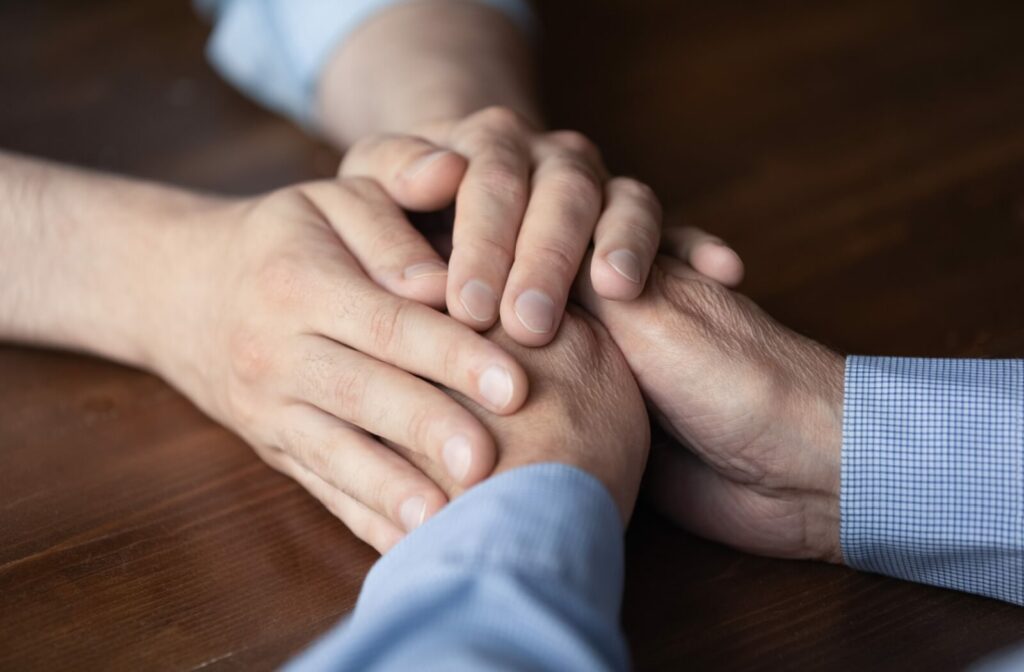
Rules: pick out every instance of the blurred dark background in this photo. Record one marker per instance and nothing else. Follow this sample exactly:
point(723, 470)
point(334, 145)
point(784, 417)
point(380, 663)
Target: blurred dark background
point(866, 157)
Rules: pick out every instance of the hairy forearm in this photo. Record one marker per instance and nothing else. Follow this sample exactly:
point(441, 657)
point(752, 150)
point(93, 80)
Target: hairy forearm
point(425, 61)
point(92, 262)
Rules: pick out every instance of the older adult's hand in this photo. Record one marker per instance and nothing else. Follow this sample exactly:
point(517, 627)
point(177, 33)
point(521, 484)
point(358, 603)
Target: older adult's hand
point(584, 410)
point(759, 406)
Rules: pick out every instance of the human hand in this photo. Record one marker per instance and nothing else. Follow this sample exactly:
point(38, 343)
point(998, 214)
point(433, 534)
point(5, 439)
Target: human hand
point(299, 323)
point(528, 204)
point(584, 410)
point(759, 406)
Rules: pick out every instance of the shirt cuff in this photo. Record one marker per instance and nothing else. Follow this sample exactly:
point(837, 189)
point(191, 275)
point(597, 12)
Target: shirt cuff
point(933, 472)
point(275, 50)
point(548, 520)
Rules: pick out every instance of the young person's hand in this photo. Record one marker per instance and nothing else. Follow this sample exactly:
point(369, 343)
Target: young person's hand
point(303, 328)
point(528, 203)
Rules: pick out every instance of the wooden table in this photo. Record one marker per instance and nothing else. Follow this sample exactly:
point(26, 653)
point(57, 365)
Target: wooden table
point(865, 156)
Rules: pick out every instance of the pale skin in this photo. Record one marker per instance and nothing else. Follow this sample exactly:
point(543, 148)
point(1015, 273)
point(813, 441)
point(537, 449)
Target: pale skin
point(451, 79)
point(757, 407)
point(305, 320)
point(584, 410)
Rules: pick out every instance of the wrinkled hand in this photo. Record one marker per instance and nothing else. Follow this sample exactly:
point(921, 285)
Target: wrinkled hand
point(584, 410)
point(304, 330)
point(528, 205)
point(759, 406)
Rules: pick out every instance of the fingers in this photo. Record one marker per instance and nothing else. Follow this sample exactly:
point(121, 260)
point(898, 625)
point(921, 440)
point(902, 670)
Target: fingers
point(489, 210)
point(565, 201)
point(394, 405)
point(359, 466)
point(707, 254)
point(372, 528)
point(626, 239)
point(376, 232)
point(418, 339)
point(416, 173)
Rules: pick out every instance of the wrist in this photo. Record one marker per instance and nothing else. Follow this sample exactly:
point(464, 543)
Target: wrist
point(181, 300)
point(93, 258)
point(421, 63)
point(820, 422)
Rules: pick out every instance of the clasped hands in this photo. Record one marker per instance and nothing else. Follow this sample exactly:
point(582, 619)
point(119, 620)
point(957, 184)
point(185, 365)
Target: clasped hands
point(321, 342)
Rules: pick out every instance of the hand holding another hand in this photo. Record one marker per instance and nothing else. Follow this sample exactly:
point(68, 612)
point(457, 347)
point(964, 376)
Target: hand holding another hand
point(758, 406)
point(298, 321)
point(584, 410)
point(529, 203)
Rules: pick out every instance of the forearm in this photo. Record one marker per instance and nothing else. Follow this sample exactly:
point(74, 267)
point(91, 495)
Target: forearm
point(421, 62)
point(92, 262)
point(522, 572)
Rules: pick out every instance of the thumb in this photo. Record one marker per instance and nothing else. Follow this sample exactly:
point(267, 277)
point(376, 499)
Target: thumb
point(416, 173)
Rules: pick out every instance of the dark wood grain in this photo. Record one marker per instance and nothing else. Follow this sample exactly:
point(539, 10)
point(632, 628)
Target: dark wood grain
point(865, 156)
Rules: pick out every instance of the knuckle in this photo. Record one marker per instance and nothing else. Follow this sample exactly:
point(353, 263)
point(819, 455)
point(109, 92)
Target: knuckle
point(557, 254)
point(362, 188)
point(483, 255)
point(396, 241)
point(418, 427)
point(501, 119)
point(504, 185)
point(575, 142)
point(451, 359)
point(637, 191)
point(249, 354)
point(385, 326)
point(576, 187)
point(347, 391)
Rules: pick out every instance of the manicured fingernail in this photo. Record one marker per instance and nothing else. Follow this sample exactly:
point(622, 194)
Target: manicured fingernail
point(496, 386)
point(412, 513)
point(536, 311)
point(424, 269)
point(625, 263)
point(479, 300)
point(457, 456)
point(422, 163)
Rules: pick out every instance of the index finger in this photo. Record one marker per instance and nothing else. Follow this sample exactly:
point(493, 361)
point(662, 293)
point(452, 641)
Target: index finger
point(489, 209)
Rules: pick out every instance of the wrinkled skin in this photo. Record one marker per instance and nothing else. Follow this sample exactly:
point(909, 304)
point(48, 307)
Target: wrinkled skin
point(758, 406)
point(584, 410)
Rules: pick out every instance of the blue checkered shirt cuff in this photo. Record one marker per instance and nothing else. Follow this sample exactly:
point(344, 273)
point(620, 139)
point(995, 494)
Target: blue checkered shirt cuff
point(933, 472)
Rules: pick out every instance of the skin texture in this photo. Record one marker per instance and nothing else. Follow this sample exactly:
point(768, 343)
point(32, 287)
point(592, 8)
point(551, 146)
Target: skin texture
point(456, 75)
point(304, 319)
point(290, 317)
point(758, 407)
point(584, 410)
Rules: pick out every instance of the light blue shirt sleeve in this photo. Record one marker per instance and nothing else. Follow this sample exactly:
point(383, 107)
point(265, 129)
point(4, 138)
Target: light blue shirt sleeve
point(275, 50)
point(523, 572)
point(933, 472)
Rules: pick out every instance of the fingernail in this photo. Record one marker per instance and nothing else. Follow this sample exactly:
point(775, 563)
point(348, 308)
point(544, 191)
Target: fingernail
point(424, 269)
point(536, 311)
point(412, 513)
point(625, 263)
point(496, 386)
point(479, 300)
point(422, 163)
point(457, 456)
